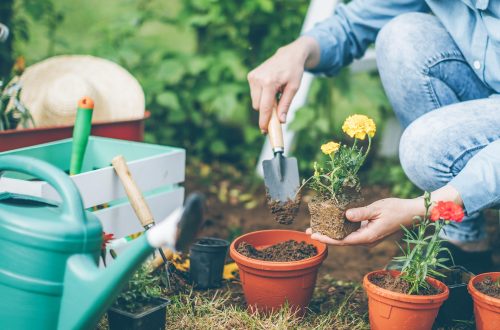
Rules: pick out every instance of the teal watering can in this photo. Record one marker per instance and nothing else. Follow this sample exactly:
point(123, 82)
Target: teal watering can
point(49, 253)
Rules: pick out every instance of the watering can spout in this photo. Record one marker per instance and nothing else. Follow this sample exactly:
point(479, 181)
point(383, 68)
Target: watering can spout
point(89, 291)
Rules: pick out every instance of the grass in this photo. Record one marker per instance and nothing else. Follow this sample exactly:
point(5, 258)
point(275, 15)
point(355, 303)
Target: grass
point(335, 305)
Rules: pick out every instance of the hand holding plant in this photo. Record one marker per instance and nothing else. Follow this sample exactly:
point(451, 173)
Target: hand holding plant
point(336, 182)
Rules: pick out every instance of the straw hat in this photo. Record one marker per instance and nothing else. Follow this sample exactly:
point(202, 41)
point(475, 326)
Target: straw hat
point(51, 90)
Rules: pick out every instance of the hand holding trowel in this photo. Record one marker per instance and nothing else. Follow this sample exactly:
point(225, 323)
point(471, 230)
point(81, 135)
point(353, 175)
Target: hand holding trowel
point(187, 220)
point(281, 176)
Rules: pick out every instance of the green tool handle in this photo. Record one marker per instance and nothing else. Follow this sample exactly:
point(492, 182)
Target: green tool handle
point(81, 132)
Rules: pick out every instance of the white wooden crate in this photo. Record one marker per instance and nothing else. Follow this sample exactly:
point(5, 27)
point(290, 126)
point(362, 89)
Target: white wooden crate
point(157, 170)
point(151, 166)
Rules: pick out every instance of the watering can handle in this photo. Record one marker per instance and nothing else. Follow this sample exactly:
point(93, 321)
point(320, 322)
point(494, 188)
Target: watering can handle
point(72, 206)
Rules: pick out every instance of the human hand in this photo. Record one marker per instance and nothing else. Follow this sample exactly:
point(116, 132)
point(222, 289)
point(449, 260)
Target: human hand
point(379, 220)
point(282, 72)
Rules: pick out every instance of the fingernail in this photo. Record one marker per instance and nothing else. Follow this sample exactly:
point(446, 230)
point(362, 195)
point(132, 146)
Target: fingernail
point(263, 131)
point(283, 117)
point(350, 213)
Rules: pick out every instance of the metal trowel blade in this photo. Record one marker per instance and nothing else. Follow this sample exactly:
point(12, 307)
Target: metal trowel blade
point(281, 177)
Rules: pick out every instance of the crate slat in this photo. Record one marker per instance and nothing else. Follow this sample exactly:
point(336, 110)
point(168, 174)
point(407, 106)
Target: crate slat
point(120, 220)
point(152, 166)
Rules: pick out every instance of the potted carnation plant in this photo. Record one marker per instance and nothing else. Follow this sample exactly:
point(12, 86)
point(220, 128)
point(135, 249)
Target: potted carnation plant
point(140, 305)
point(336, 182)
point(411, 298)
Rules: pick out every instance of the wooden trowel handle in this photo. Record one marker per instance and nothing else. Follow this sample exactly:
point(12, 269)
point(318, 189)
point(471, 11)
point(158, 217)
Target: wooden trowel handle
point(134, 194)
point(274, 130)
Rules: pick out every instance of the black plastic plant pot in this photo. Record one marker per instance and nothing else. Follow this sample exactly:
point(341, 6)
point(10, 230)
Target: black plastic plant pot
point(153, 318)
point(458, 306)
point(207, 258)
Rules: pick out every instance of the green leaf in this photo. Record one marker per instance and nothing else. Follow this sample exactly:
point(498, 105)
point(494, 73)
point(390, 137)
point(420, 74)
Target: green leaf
point(218, 147)
point(169, 100)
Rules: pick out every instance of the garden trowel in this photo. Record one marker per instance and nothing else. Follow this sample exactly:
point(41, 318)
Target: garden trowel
point(191, 215)
point(281, 174)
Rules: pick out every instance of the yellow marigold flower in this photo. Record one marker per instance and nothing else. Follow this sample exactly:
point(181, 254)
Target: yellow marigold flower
point(330, 147)
point(358, 126)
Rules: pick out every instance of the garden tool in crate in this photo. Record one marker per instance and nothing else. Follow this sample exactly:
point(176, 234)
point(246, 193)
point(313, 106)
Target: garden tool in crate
point(49, 275)
point(281, 175)
point(190, 221)
point(81, 133)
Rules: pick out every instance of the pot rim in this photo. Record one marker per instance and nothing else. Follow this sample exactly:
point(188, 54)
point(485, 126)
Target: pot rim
point(418, 299)
point(164, 303)
point(278, 265)
point(476, 294)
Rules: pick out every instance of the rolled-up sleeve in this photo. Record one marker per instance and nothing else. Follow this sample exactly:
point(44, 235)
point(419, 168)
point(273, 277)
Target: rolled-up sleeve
point(352, 28)
point(479, 181)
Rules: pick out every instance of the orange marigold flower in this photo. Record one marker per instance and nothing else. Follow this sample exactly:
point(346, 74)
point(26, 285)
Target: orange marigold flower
point(447, 211)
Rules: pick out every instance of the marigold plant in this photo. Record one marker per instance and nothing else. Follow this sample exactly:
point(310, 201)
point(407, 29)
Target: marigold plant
point(421, 255)
point(338, 178)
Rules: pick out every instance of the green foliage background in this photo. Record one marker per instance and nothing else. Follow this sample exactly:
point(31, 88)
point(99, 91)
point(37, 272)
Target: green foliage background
point(192, 57)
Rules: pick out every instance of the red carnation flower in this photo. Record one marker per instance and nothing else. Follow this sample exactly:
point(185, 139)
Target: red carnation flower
point(447, 211)
point(105, 240)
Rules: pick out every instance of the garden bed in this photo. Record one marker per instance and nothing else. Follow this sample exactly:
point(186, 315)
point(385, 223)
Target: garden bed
point(338, 301)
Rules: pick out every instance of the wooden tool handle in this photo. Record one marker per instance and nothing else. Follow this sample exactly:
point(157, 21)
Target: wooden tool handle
point(135, 196)
point(274, 130)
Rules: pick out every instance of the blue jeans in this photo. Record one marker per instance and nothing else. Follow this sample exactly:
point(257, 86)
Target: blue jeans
point(447, 112)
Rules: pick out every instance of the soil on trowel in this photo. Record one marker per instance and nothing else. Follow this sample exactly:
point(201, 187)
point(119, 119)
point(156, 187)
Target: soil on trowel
point(397, 284)
point(328, 218)
point(284, 213)
point(489, 287)
point(286, 251)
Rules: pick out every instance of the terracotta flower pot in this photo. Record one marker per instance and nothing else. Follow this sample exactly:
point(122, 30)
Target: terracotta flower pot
point(391, 310)
point(328, 218)
point(268, 285)
point(486, 308)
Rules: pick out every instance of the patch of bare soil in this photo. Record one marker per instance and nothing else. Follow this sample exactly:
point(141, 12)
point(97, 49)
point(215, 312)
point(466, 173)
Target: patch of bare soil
point(399, 285)
point(489, 287)
point(284, 213)
point(286, 251)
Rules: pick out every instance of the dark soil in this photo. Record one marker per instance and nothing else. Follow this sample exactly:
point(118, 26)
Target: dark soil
point(397, 284)
point(489, 287)
point(328, 218)
point(286, 251)
point(284, 212)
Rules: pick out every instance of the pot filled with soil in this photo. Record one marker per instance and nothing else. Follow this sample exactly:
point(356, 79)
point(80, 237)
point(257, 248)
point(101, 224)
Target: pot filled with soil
point(485, 291)
point(278, 267)
point(390, 307)
point(335, 180)
point(458, 306)
point(207, 258)
point(410, 298)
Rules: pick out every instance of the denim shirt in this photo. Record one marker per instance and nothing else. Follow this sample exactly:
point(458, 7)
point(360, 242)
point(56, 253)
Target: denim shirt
point(475, 27)
point(473, 24)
